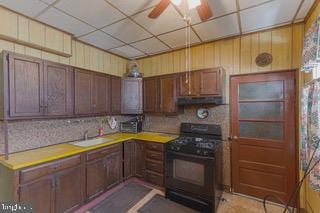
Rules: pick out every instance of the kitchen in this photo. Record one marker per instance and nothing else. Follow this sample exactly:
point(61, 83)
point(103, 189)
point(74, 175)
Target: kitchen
point(148, 106)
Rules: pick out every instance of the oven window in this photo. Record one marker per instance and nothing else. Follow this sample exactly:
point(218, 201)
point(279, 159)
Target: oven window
point(188, 172)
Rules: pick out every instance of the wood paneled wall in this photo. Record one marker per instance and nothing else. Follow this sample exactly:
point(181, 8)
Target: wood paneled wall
point(236, 55)
point(23, 35)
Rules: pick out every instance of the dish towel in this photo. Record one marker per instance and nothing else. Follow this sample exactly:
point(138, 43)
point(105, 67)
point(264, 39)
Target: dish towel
point(310, 130)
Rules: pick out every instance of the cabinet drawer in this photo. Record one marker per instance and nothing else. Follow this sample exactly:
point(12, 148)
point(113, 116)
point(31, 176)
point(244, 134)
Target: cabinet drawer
point(48, 168)
point(156, 166)
point(100, 153)
point(154, 178)
point(155, 155)
point(155, 146)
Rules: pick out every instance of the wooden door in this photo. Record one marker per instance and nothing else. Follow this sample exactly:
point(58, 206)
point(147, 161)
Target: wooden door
point(189, 88)
point(115, 95)
point(58, 89)
point(140, 159)
point(151, 93)
point(83, 92)
point(113, 169)
point(131, 96)
point(99, 93)
point(128, 159)
point(25, 86)
point(95, 173)
point(69, 190)
point(263, 130)
point(39, 194)
point(210, 82)
point(168, 94)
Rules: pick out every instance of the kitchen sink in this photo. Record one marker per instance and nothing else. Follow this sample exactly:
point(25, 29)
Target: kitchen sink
point(92, 142)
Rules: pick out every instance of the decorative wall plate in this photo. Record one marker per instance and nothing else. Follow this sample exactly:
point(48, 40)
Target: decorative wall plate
point(202, 113)
point(263, 59)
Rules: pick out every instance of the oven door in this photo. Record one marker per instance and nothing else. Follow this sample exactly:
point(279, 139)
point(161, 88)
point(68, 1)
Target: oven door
point(190, 173)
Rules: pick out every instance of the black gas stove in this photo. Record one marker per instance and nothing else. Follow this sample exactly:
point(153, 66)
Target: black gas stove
point(197, 139)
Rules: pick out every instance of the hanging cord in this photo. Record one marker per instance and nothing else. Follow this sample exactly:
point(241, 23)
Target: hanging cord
point(298, 187)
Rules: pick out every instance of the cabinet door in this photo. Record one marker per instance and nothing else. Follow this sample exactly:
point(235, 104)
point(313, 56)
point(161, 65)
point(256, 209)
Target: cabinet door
point(95, 173)
point(168, 94)
point(25, 86)
point(69, 189)
point(210, 82)
point(108, 94)
point(58, 89)
point(140, 159)
point(128, 159)
point(115, 95)
point(113, 169)
point(151, 95)
point(83, 92)
point(40, 194)
point(99, 93)
point(131, 96)
point(189, 84)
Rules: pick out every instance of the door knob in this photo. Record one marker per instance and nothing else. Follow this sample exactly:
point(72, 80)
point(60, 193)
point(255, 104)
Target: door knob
point(235, 137)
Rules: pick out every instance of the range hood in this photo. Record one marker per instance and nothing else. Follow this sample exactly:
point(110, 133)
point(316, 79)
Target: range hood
point(216, 100)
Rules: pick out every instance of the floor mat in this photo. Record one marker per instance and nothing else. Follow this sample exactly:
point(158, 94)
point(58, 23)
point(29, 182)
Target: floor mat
point(159, 204)
point(122, 200)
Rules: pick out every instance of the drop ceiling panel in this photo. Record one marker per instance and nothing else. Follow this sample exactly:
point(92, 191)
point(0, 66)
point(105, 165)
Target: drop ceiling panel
point(169, 20)
point(127, 51)
point(178, 38)
point(133, 6)
point(218, 7)
point(102, 40)
point(97, 13)
point(49, 1)
point(307, 4)
point(29, 8)
point(268, 15)
point(218, 28)
point(65, 22)
point(127, 31)
point(249, 3)
point(150, 46)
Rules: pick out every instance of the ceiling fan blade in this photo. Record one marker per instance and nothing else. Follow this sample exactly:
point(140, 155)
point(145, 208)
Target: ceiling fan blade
point(159, 9)
point(204, 10)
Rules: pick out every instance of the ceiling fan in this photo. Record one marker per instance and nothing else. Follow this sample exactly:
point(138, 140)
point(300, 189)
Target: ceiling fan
point(202, 7)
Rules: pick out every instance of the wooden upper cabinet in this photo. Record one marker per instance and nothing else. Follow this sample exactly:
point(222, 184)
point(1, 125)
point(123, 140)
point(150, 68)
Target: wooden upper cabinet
point(99, 93)
point(25, 86)
point(58, 89)
point(211, 82)
point(131, 96)
point(115, 95)
point(189, 84)
point(151, 92)
point(168, 94)
point(83, 92)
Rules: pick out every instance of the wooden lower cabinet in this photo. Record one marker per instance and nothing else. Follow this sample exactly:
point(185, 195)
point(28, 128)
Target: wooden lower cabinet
point(140, 159)
point(95, 172)
point(128, 159)
point(113, 169)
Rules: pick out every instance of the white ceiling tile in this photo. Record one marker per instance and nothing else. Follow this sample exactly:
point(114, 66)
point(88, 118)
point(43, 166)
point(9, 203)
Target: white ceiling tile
point(132, 7)
point(169, 20)
point(278, 13)
point(127, 31)
point(28, 7)
point(101, 40)
point(177, 38)
point(218, 28)
point(150, 46)
point(65, 22)
point(98, 13)
point(127, 51)
point(218, 8)
point(49, 1)
point(249, 3)
point(307, 4)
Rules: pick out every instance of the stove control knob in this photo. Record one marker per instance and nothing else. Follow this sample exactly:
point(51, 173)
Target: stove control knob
point(177, 148)
point(198, 151)
point(205, 152)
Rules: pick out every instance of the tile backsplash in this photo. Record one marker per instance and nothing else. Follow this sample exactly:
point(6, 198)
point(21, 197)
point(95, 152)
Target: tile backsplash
point(31, 134)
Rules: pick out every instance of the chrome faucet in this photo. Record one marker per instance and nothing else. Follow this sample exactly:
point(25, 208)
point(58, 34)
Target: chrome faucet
point(85, 135)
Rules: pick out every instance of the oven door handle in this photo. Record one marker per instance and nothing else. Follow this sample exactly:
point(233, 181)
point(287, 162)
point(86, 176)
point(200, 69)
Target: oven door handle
point(189, 155)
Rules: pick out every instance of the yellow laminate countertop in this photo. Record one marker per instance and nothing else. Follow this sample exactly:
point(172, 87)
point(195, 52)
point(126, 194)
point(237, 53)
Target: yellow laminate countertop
point(45, 154)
